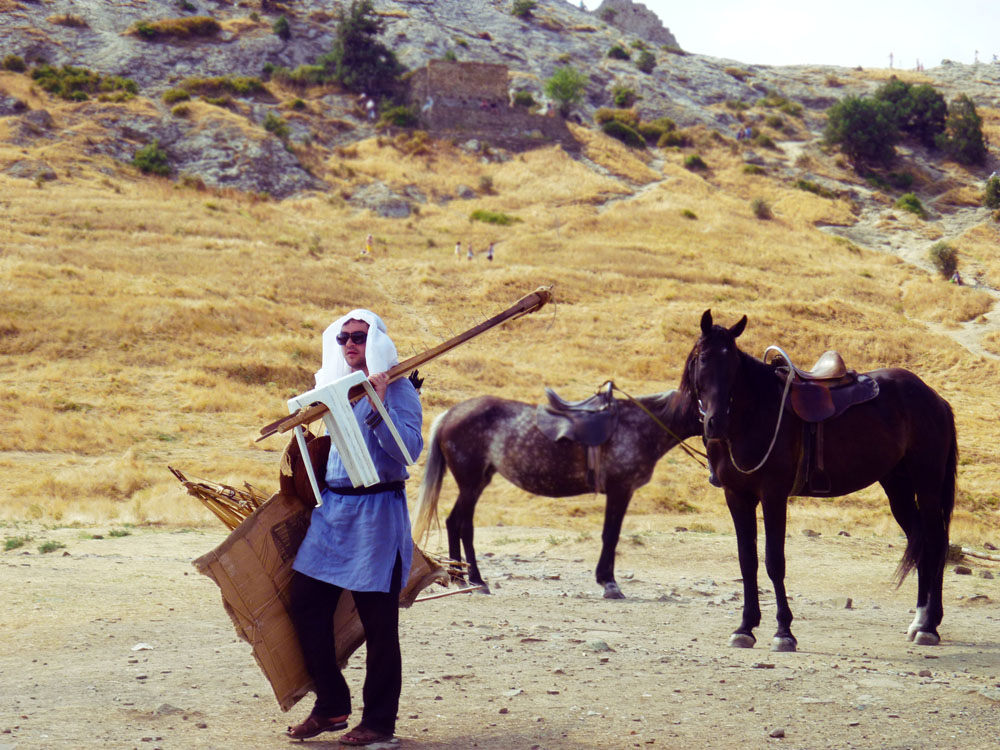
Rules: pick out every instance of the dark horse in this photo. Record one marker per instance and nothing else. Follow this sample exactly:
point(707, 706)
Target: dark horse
point(904, 439)
point(485, 435)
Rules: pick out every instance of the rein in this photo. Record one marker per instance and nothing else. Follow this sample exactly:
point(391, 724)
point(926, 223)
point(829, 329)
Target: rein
point(774, 438)
point(692, 452)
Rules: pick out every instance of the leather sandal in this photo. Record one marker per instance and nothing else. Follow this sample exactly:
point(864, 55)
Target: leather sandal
point(362, 735)
point(314, 725)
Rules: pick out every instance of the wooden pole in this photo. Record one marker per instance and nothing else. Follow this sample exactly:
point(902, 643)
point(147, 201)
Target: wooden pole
point(528, 304)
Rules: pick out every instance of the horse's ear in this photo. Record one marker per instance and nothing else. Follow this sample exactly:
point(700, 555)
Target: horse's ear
point(737, 329)
point(706, 322)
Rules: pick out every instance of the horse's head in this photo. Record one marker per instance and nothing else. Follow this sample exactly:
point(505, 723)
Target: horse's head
point(711, 372)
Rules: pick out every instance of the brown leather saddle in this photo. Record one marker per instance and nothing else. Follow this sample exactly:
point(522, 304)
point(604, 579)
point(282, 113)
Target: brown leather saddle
point(815, 396)
point(827, 390)
point(590, 422)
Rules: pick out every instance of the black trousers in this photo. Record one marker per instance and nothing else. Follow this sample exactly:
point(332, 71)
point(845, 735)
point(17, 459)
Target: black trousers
point(313, 604)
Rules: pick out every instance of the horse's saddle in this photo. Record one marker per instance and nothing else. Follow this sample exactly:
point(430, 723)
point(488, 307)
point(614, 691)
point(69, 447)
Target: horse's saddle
point(825, 391)
point(590, 421)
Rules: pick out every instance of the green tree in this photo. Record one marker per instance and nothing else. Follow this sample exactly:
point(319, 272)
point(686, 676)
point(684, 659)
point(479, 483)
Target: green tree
point(920, 111)
point(282, 28)
point(358, 60)
point(646, 62)
point(566, 86)
point(963, 136)
point(864, 128)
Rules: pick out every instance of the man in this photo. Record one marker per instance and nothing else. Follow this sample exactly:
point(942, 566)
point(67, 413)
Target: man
point(359, 540)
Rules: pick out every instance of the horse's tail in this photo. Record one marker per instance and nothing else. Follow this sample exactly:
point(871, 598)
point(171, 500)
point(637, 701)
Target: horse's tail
point(915, 544)
point(430, 486)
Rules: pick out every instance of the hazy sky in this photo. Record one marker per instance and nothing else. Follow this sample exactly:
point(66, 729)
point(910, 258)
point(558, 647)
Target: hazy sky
point(842, 32)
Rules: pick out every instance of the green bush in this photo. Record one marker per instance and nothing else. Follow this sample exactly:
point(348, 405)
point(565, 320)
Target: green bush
point(627, 135)
point(178, 28)
point(765, 141)
point(14, 63)
point(566, 87)
point(524, 99)
point(963, 135)
point(152, 159)
point(219, 85)
point(282, 28)
point(687, 213)
point(523, 8)
point(180, 110)
point(50, 546)
point(673, 139)
point(736, 105)
point(864, 128)
point(991, 195)
point(738, 73)
point(695, 163)
point(493, 217)
point(303, 75)
point(910, 202)
point(400, 117)
point(69, 19)
point(626, 116)
point(760, 209)
point(15, 542)
point(276, 124)
point(775, 122)
point(653, 131)
point(753, 169)
point(945, 258)
point(623, 97)
point(646, 62)
point(172, 96)
point(617, 52)
point(77, 84)
point(815, 188)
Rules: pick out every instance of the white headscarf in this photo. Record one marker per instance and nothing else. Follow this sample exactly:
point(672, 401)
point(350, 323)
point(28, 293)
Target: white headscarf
point(380, 352)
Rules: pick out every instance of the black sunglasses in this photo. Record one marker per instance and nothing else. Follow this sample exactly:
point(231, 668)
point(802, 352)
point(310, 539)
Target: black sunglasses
point(358, 337)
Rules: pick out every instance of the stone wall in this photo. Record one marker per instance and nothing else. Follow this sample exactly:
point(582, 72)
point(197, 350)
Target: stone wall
point(471, 100)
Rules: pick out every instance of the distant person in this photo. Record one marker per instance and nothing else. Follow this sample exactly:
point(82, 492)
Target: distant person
point(428, 106)
point(369, 247)
point(489, 252)
point(956, 278)
point(469, 256)
point(458, 249)
point(370, 108)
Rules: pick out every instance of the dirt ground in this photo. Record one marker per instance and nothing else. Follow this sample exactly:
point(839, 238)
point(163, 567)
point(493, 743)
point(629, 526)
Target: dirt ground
point(118, 642)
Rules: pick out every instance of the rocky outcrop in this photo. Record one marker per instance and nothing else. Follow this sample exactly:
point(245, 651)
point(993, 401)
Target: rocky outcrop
point(636, 18)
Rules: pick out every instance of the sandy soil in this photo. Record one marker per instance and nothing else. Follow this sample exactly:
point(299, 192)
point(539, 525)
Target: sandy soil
point(119, 643)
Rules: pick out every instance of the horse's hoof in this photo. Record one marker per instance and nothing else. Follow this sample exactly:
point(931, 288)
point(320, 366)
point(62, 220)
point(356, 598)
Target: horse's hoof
point(784, 644)
point(925, 638)
point(483, 587)
point(611, 591)
point(742, 640)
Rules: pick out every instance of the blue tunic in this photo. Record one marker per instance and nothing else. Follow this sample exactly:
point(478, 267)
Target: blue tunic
point(353, 540)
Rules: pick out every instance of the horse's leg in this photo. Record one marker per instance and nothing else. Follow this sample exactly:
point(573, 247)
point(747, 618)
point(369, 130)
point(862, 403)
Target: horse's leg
point(902, 502)
point(743, 509)
point(461, 529)
point(614, 513)
point(930, 567)
point(775, 510)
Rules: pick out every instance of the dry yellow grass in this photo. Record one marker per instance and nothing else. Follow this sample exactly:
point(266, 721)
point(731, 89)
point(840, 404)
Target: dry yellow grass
point(143, 324)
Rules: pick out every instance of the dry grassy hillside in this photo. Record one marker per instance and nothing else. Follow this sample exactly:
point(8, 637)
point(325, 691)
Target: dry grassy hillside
point(144, 324)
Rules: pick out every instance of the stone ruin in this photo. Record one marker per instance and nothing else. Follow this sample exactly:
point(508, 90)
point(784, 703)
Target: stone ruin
point(636, 18)
point(472, 100)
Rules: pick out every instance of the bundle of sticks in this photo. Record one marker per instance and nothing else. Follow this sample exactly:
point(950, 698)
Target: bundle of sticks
point(233, 506)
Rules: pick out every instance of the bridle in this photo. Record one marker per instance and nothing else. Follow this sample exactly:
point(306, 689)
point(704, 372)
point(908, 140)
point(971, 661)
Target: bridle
point(729, 406)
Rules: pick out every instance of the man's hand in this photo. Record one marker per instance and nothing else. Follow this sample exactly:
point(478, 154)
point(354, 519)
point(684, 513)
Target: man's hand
point(380, 382)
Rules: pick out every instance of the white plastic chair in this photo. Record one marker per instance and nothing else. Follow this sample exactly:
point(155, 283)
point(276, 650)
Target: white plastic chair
point(344, 430)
